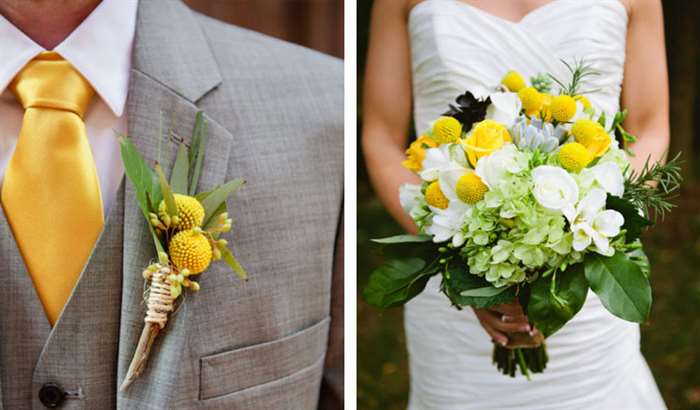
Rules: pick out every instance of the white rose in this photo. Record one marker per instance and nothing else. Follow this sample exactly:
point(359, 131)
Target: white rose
point(504, 108)
point(554, 188)
point(491, 168)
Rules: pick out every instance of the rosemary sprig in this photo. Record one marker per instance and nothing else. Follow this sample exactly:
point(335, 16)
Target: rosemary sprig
point(579, 70)
point(654, 186)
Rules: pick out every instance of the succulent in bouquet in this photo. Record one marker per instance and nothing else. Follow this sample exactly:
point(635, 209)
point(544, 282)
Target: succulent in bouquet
point(527, 196)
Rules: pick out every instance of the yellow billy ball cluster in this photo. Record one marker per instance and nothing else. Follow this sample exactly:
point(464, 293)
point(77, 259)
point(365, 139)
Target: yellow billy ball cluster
point(434, 196)
point(563, 108)
point(470, 188)
point(531, 99)
point(190, 250)
point(513, 81)
point(591, 135)
point(574, 156)
point(190, 213)
point(446, 130)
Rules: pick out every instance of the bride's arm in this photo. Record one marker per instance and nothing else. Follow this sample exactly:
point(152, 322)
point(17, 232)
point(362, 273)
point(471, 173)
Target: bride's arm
point(645, 86)
point(386, 109)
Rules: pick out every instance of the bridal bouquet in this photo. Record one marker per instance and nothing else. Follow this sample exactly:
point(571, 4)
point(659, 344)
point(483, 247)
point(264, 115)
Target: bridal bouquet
point(527, 195)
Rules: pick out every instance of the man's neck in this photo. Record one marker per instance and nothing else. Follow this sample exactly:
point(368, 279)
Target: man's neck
point(47, 22)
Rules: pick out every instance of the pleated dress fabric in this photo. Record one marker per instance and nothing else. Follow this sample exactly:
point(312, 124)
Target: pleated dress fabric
point(595, 360)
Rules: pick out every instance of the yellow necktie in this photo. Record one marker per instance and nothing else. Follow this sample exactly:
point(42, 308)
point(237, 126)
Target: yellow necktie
point(51, 192)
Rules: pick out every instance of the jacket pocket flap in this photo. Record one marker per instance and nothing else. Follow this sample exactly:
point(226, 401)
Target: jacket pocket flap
point(235, 370)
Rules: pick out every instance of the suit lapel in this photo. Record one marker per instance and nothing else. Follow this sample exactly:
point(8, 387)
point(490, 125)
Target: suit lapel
point(171, 71)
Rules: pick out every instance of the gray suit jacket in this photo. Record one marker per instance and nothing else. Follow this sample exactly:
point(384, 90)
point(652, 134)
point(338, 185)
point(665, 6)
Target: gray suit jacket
point(275, 114)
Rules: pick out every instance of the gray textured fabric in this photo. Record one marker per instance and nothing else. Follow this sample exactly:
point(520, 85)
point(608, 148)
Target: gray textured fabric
point(275, 115)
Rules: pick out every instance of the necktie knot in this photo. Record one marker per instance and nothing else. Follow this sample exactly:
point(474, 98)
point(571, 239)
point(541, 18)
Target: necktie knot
point(49, 81)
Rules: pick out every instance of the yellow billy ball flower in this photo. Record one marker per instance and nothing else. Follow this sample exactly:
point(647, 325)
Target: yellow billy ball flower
point(591, 135)
point(531, 99)
point(574, 157)
point(415, 154)
point(470, 188)
point(435, 197)
point(486, 137)
point(190, 212)
point(563, 108)
point(190, 250)
point(446, 130)
point(513, 81)
point(584, 101)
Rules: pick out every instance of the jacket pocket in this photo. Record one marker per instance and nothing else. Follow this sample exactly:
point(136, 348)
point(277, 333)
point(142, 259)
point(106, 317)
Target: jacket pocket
point(235, 370)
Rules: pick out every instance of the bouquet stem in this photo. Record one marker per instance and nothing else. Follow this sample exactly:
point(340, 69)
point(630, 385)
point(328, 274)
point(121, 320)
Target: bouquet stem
point(160, 303)
point(528, 359)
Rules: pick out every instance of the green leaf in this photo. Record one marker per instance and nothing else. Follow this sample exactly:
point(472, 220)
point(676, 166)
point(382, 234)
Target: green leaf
point(639, 257)
point(398, 281)
point(458, 282)
point(403, 239)
point(555, 300)
point(179, 176)
point(485, 292)
point(231, 260)
point(634, 223)
point(140, 174)
point(198, 149)
point(218, 196)
point(621, 286)
point(167, 192)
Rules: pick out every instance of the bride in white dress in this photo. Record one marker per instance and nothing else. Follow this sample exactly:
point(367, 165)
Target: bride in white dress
point(422, 55)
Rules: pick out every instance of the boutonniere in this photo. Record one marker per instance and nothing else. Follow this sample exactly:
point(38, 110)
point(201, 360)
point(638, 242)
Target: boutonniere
point(185, 226)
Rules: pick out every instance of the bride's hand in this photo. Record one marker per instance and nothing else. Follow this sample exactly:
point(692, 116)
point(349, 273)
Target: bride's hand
point(500, 320)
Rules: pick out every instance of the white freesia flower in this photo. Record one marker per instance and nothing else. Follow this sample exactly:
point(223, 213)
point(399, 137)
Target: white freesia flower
point(492, 168)
point(409, 196)
point(443, 158)
point(554, 188)
point(609, 176)
point(591, 223)
point(505, 108)
point(447, 223)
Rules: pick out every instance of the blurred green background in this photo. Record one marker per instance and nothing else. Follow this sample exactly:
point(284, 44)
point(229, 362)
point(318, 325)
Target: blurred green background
point(669, 340)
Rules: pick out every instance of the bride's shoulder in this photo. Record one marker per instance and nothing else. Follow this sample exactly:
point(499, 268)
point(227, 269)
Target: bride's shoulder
point(397, 6)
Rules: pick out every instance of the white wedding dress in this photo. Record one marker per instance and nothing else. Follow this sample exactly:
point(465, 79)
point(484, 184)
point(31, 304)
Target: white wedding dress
point(594, 361)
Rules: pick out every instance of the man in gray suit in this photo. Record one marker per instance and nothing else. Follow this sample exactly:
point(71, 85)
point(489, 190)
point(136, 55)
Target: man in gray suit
point(275, 115)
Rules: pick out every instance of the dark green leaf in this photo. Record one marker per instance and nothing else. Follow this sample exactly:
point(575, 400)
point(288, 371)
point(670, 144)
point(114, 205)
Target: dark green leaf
point(167, 192)
point(179, 176)
point(398, 281)
point(554, 300)
point(634, 223)
point(403, 239)
point(639, 257)
point(198, 149)
point(218, 196)
point(621, 286)
point(459, 281)
point(231, 260)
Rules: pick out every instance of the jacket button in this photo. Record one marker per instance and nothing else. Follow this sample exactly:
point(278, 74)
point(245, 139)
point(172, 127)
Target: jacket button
point(51, 395)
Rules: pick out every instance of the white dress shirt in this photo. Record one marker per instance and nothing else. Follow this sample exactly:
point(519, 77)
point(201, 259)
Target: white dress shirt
point(100, 49)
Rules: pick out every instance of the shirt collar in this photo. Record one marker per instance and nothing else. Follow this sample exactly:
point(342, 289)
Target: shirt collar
point(99, 48)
